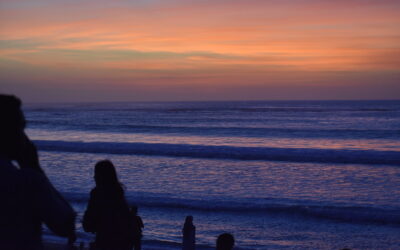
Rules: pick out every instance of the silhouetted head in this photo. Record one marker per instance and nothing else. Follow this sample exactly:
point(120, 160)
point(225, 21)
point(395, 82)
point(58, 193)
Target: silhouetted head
point(225, 242)
point(12, 136)
point(134, 209)
point(105, 174)
point(189, 219)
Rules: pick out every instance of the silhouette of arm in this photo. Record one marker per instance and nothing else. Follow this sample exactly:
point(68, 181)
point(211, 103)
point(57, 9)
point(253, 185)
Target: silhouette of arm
point(141, 225)
point(28, 157)
point(50, 206)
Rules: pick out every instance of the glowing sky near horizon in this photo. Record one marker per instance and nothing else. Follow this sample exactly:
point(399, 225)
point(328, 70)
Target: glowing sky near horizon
point(69, 50)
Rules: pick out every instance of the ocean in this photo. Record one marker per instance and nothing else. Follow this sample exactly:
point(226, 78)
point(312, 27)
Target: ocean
point(275, 174)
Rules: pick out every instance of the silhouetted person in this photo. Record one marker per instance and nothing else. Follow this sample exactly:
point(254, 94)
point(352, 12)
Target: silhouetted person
point(137, 225)
point(189, 234)
point(225, 242)
point(27, 197)
point(107, 214)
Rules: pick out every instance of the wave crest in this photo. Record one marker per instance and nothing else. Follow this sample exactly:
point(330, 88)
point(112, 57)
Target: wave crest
point(227, 152)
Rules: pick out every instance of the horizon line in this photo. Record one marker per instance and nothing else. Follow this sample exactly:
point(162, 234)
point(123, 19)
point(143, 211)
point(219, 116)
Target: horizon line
point(204, 101)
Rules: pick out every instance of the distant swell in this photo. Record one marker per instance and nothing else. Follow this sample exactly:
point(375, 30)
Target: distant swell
point(231, 131)
point(353, 214)
point(227, 152)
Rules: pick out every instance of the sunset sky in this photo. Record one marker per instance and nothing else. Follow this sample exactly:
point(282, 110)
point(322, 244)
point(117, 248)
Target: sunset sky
point(170, 50)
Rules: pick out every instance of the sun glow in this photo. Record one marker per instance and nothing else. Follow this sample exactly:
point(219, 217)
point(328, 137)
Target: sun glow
point(242, 43)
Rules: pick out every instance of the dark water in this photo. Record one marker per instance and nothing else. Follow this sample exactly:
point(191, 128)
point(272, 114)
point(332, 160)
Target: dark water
point(275, 174)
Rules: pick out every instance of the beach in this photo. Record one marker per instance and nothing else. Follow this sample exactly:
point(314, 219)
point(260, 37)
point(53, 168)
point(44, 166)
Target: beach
point(59, 246)
point(280, 175)
point(56, 245)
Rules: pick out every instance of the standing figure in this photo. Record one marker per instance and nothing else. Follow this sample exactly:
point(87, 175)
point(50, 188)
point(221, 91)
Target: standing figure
point(28, 199)
point(189, 234)
point(137, 225)
point(107, 214)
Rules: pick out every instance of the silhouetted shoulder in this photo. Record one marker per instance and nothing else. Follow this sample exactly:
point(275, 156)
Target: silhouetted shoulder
point(51, 208)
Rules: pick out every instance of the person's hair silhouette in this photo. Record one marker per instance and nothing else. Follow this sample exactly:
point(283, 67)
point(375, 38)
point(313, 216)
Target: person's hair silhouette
point(107, 214)
point(27, 196)
point(225, 241)
point(189, 234)
point(105, 176)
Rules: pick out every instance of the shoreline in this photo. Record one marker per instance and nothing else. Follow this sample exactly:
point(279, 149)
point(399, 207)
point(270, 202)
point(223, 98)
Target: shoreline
point(154, 245)
point(76, 246)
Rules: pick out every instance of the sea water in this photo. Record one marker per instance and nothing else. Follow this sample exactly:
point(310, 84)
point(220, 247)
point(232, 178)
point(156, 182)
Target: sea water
point(281, 174)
